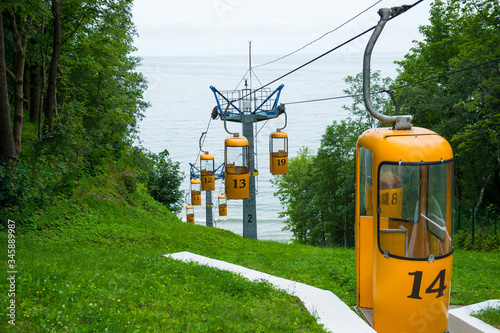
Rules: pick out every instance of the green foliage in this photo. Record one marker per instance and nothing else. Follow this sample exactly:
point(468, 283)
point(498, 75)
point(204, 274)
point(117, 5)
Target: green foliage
point(98, 264)
point(483, 241)
point(489, 315)
point(99, 100)
point(475, 277)
point(165, 180)
point(463, 107)
point(318, 191)
point(86, 269)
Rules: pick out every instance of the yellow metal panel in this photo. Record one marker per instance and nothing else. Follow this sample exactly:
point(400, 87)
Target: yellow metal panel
point(364, 262)
point(415, 145)
point(279, 163)
point(195, 198)
point(207, 156)
point(208, 182)
point(236, 141)
point(411, 296)
point(237, 186)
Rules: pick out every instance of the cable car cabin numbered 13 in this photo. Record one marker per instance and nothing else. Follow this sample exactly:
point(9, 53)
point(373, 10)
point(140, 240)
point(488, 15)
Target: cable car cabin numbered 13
point(207, 170)
point(278, 148)
point(404, 182)
point(237, 169)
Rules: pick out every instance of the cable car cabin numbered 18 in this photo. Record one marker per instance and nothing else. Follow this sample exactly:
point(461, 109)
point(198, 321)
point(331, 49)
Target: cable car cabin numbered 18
point(237, 169)
point(404, 182)
point(278, 148)
point(207, 170)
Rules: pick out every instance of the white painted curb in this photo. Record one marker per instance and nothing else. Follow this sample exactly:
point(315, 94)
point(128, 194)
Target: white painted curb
point(334, 314)
point(460, 320)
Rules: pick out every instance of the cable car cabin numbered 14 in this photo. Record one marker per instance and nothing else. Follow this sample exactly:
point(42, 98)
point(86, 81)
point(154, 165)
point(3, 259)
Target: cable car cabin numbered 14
point(237, 169)
point(404, 182)
point(207, 170)
point(278, 148)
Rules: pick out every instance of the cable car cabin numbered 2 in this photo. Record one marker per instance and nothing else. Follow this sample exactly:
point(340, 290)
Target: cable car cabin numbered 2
point(237, 169)
point(404, 182)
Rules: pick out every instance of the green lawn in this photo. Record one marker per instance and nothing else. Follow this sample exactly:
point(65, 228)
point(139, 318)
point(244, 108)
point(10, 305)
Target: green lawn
point(97, 265)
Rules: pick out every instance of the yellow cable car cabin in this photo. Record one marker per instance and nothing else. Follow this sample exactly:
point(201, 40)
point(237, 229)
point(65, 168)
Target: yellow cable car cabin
point(195, 192)
point(190, 214)
point(236, 158)
point(222, 205)
point(404, 199)
point(278, 148)
point(207, 170)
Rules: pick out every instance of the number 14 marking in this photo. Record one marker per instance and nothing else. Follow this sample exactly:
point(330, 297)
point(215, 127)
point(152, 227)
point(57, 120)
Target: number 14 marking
point(417, 281)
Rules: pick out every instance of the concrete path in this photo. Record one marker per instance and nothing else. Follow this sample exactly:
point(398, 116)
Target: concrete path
point(334, 314)
point(460, 320)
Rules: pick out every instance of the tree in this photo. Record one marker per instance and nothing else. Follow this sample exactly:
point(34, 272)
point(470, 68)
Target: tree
point(318, 191)
point(54, 64)
point(165, 181)
point(336, 163)
point(463, 107)
point(93, 86)
point(20, 27)
point(297, 192)
point(7, 148)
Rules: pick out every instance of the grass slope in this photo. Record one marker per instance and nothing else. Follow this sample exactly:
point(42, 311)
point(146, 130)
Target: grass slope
point(96, 264)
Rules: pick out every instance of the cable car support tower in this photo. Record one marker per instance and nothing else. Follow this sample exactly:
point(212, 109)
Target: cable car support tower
point(247, 106)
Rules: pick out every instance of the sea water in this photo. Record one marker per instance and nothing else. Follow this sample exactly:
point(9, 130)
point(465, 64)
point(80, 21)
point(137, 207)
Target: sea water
point(182, 102)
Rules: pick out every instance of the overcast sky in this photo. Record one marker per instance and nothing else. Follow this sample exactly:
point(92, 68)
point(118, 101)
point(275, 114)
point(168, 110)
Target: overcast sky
point(213, 27)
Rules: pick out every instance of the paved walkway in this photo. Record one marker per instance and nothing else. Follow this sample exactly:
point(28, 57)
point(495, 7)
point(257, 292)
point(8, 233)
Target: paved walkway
point(334, 314)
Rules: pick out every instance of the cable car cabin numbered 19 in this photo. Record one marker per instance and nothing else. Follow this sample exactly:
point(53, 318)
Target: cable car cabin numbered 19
point(404, 182)
point(278, 148)
point(237, 169)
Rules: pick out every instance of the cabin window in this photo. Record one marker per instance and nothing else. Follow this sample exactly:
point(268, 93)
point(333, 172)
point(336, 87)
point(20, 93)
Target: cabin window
point(414, 204)
point(365, 182)
point(237, 159)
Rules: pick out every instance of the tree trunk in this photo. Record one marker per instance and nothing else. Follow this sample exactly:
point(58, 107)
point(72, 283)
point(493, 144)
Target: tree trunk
point(18, 76)
point(7, 148)
point(26, 87)
point(54, 63)
point(36, 88)
point(35, 91)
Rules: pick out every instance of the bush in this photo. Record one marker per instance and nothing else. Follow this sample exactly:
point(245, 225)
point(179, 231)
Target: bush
point(165, 180)
point(482, 241)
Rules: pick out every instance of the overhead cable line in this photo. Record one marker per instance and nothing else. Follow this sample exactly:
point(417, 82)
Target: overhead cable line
point(399, 87)
point(317, 39)
point(449, 73)
point(203, 141)
point(405, 7)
